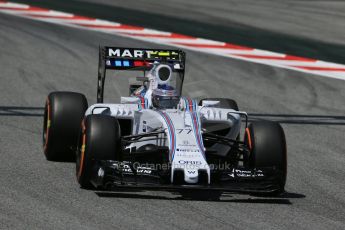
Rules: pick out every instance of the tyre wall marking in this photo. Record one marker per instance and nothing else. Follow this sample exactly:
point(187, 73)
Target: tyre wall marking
point(82, 151)
point(249, 139)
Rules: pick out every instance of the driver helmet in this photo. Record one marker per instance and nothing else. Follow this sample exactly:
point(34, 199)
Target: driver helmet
point(164, 96)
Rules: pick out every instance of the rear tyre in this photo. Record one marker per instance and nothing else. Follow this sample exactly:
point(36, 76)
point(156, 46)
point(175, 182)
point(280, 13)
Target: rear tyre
point(63, 114)
point(100, 140)
point(267, 144)
point(225, 103)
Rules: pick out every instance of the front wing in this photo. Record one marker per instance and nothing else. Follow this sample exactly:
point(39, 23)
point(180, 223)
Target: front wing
point(114, 175)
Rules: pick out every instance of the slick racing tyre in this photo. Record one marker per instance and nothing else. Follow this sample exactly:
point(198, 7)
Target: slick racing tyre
point(223, 103)
point(267, 144)
point(63, 114)
point(100, 140)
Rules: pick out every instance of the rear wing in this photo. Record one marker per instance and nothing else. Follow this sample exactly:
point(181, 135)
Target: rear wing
point(119, 58)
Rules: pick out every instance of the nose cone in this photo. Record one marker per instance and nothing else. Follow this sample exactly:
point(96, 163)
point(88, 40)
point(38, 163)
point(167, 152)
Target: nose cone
point(191, 176)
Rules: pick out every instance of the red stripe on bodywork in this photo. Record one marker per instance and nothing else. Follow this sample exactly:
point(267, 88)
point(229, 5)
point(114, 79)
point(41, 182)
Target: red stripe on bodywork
point(171, 128)
point(196, 129)
point(190, 103)
point(142, 102)
point(141, 63)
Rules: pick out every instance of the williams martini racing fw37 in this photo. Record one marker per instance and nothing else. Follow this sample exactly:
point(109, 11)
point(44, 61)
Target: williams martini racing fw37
point(156, 139)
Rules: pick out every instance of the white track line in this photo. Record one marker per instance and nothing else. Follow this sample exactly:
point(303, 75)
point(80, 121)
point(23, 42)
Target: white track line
point(228, 50)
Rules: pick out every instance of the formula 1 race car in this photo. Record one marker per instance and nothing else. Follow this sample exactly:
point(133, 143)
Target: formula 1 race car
point(155, 139)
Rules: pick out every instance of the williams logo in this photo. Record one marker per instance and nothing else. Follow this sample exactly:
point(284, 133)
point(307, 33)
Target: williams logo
point(189, 162)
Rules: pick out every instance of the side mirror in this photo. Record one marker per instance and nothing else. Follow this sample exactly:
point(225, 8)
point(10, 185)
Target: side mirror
point(210, 103)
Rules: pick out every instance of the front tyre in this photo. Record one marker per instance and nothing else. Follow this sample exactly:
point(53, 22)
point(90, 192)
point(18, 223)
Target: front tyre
point(63, 114)
point(100, 140)
point(267, 144)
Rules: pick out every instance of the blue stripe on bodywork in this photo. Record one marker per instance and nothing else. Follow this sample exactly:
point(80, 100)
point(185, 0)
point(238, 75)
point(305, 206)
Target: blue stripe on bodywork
point(190, 102)
point(172, 135)
point(197, 131)
point(143, 102)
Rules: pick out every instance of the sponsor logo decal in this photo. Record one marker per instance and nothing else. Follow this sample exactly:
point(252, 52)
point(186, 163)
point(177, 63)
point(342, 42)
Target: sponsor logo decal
point(245, 173)
point(137, 53)
point(185, 155)
point(185, 130)
point(189, 150)
point(187, 162)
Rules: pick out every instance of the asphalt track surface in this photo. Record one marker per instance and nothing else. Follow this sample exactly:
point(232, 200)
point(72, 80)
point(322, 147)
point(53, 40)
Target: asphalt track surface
point(37, 58)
